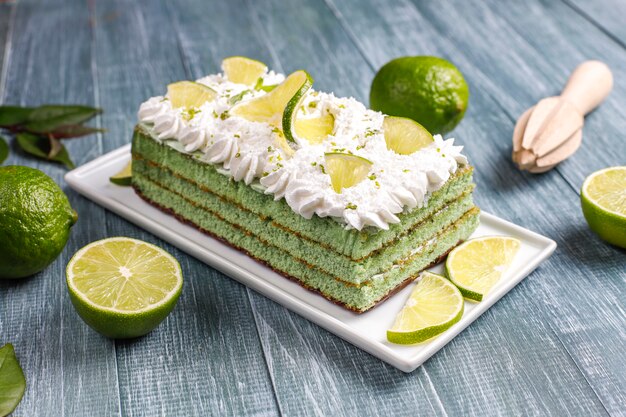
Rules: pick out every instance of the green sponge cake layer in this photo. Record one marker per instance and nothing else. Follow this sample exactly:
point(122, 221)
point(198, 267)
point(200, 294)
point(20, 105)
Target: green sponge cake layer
point(341, 267)
point(357, 298)
point(327, 232)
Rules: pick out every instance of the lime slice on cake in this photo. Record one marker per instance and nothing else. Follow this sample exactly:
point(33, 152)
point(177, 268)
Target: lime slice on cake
point(346, 170)
point(313, 129)
point(242, 70)
point(123, 177)
point(189, 94)
point(405, 136)
point(123, 287)
point(433, 307)
point(603, 200)
point(477, 265)
point(274, 106)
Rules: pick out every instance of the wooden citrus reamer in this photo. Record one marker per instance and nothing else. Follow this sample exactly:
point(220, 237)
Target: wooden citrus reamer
point(551, 131)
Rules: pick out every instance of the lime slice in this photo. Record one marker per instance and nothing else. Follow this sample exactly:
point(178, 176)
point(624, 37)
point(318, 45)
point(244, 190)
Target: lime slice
point(477, 265)
point(278, 104)
point(433, 307)
point(281, 143)
point(314, 129)
point(189, 94)
point(123, 177)
point(603, 200)
point(242, 70)
point(405, 136)
point(346, 170)
point(123, 287)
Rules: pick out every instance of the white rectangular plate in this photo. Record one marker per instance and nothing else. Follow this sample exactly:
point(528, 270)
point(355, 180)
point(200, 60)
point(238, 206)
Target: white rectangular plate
point(366, 331)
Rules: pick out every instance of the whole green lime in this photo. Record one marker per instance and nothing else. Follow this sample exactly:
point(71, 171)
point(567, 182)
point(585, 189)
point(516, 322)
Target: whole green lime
point(35, 221)
point(427, 89)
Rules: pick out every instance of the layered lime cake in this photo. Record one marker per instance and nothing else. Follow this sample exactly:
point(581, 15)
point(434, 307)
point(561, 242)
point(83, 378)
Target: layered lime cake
point(346, 201)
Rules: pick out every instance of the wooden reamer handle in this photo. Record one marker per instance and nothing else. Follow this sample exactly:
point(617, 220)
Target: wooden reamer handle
point(590, 83)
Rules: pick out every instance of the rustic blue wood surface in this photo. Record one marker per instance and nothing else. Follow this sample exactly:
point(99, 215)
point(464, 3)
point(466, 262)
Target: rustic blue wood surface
point(555, 345)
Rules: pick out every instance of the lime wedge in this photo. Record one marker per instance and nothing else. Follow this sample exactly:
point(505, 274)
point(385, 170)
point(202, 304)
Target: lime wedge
point(314, 129)
point(278, 104)
point(242, 70)
point(433, 307)
point(603, 200)
point(346, 170)
point(123, 287)
point(477, 265)
point(189, 94)
point(405, 136)
point(123, 177)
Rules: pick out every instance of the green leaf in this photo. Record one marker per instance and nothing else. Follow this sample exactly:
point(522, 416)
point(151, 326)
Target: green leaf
point(4, 149)
point(14, 115)
point(12, 381)
point(63, 157)
point(74, 131)
point(33, 144)
point(39, 146)
point(50, 117)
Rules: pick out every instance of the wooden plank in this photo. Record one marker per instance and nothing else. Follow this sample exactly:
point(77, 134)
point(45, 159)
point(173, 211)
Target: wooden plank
point(594, 339)
point(7, 15)
point(204, 46)
point(608, 15)
point(315, 371)
point(70, 370)
point(206, 357)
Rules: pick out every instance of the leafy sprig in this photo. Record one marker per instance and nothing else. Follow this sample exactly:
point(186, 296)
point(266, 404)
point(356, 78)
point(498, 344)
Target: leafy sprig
point(12, 380)
point(38, 131)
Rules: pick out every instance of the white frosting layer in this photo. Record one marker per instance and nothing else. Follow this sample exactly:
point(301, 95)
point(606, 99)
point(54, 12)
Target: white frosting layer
point(253, 150)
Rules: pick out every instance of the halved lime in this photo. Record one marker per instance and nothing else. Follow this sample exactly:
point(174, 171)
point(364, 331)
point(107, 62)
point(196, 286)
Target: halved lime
point(603, 200)
point(277, 105)
point(405, 136)
point(314, 129)
point(478, 264)
point(123, 287)
point(242, 70)
point(346, 170)
point(433, 307)
point(123, 177)
point(189, 94)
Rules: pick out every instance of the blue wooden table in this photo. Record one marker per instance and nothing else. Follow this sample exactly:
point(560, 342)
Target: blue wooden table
point(555, 345)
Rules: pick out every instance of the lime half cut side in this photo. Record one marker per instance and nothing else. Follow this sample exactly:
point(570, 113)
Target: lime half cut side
point(433, 307)
point(242, 70)
point(478, 264)
point(603, 200)
point(346, 170)
point(123, 287)
point(405, 136)
point(188, 94)
point(123, 177)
